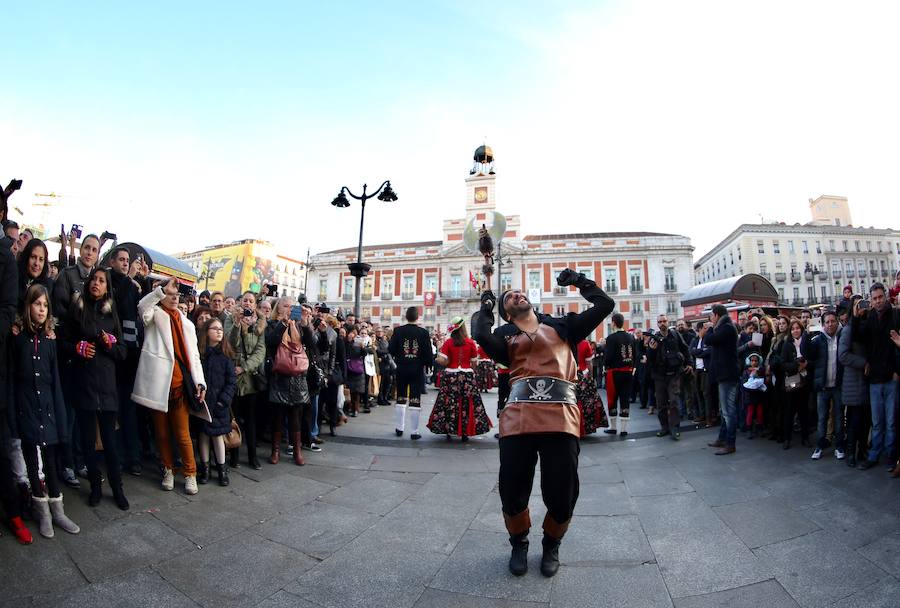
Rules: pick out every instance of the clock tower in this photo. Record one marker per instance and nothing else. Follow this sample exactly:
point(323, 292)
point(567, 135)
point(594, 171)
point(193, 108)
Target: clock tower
point(480, 193)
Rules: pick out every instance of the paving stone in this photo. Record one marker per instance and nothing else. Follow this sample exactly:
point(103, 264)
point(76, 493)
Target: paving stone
point(464, 492)
point(403, 476)
point(356, 576)
point(816, 569)
point(317, 529)
point(639, 586)
point(799, 490)
point(719, 483)
point(479, 566)
point(490, 516)
point(220, 517)
point(764, 521)
point(653, 477)
point(434, 461)
point(852, 524)
point(601, 473)
point(884, 553)
point(239, 571)
point(43, 567)
point(882, 594)
point(142, 588)
point(336, 476)
point(604, 499)
point(288, 493)
point(767, 593)
point(435, 598)
point(433, 527)
point(373, 495)
point(122, 545)
point(597, 541)
point(283, 599)
point(673, 514)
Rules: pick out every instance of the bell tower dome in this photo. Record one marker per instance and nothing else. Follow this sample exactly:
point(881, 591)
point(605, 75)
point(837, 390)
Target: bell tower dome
point(480, 193)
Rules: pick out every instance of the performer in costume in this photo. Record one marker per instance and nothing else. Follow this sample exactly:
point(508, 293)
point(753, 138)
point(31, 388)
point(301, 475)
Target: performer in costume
point(410, 347)
point(458, 409)
point(485, 372)
point(593, 414)
point(619, 360)
point(541, 416)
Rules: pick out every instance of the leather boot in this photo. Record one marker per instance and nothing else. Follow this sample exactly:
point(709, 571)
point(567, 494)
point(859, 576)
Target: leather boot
point(298, 450)
point(222, 470)
point(553, 534)
point(203, 473)
point(518, 527)
point(96, 490)
point(119, 496)
point(276, 448)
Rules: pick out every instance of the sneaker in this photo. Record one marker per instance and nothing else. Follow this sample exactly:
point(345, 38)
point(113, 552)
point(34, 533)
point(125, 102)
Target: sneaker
point(190, 485)
point(70, 479)
point(398, 432)
point(817, 454)
point(416, 437)
point(676, 436)
point(168, 480)
point(136, 469)
point(839, 454)
point(610, 431)
point(312, 448)
point(623, 434)
point(662, 433)
point(82, 472)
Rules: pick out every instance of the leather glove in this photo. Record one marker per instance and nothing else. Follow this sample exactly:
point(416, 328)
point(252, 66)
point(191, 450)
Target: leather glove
point(488, 301)
point(570, 277)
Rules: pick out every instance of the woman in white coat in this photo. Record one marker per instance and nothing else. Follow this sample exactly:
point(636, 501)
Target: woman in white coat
point(169, 366)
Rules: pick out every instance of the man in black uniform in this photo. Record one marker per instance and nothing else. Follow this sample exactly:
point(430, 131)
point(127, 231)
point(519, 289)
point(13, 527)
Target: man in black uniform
point(619, 360)
point(541, 416)
point(410, 347)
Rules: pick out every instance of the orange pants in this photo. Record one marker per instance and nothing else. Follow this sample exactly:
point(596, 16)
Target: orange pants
point(177, 417)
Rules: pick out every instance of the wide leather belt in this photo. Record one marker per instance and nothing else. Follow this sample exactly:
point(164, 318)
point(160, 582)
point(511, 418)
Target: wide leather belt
point(542, 389)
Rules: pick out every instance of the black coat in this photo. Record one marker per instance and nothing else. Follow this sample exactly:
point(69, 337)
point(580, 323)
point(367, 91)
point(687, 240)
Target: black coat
point(69, 283)
point(8, 295)
point(39, 408)
point(221, 383)
point(287, 390)
point(723, 361)
point(94, 380)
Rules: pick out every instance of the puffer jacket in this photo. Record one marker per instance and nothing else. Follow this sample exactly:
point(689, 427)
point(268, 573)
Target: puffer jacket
point(39, 408)
point(852, 355)
point(220, 386)
point(249, 345)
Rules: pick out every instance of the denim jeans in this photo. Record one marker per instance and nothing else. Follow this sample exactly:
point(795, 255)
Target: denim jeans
point(728, 408)
point(829, 400)
point(314, 431)
point(881, 396)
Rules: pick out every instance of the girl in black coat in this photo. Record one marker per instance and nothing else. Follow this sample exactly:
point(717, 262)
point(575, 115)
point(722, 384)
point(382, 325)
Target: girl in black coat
point(221, 381)
point(93, 338)
point(39, 418)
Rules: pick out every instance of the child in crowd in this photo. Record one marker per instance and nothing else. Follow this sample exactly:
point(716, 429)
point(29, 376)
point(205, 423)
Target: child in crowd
point(754, 383)
point(40, 411)
point(218, 369)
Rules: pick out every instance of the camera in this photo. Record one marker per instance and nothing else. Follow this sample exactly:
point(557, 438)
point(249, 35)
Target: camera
point(316, 322)
point(272, 291)
point(185, 290)
point(248, 312)
point(108, 236)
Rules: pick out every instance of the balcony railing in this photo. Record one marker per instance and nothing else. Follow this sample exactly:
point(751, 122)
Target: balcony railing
point(884, 273)
point(611, 288)
point(671, 287)
point(638, 312)
point(408, 295)
point(366, 296)
point(386, 316)
point(862, 273)
point(766, 275)
point(461, 294)
point(635, 288)
point(323, 296)
point(781, 277)
point(850, 273)
point(836, 274)
point(387, 295)
point(795, 276)
point(347, 297)
point(560, 291)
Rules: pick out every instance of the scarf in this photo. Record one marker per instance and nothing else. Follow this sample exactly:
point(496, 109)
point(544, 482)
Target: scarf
point(180, 348)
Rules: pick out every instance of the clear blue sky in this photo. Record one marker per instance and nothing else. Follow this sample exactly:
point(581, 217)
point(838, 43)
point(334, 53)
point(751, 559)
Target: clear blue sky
point(627, 115)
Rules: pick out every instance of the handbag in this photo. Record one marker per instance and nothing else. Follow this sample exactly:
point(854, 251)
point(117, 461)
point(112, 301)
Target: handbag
point(190, 396)
point(794, 382)
point(290, 358)
point(234, 437)
point(355, 366)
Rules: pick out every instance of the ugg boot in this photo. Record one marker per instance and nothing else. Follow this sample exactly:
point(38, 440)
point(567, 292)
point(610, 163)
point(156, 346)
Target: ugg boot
point(58, 515)
point(42, 514)
point(119, 497)
point(276, 448)
point(222, 470)
point(298, 451)
point(20, 531)
point(553, 534)
point(203, 473)
point(96, 489)
point(518, 527)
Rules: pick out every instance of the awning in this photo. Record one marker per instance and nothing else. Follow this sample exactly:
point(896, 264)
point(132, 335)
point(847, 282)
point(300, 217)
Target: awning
point(745, 287)
point(159, 263)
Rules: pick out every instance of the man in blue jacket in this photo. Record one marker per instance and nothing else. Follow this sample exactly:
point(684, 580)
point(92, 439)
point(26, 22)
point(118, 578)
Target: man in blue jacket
point(828, 375)
point(725, 371)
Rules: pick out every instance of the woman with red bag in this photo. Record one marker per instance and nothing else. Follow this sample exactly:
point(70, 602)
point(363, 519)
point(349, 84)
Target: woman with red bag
point(288, 345)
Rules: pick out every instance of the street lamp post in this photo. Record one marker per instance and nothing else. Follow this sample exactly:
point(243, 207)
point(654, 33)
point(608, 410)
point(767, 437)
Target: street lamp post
point(358, 269)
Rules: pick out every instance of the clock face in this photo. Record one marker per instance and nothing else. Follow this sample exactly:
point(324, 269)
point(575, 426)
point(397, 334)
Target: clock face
point(480, 195)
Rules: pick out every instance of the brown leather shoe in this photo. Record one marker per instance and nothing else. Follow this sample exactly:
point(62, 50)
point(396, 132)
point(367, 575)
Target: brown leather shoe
point(716, 444)
point(298, 450)
point(895, 472)
point(725, 451)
